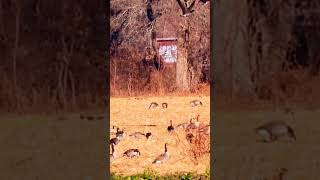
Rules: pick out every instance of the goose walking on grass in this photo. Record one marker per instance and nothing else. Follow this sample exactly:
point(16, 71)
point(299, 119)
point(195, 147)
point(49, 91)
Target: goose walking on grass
point(120, 134)
point(190, 137)
point(132, 153)
point(138, 135)
point(162, 157)
point(113, 153)
point(114, 141)
point(196, 103)
point(148, 135)
point(170, 128)
point(164, 105)
point(194, 125)
point(196, 119)
point(153, 105)
point(273, 130)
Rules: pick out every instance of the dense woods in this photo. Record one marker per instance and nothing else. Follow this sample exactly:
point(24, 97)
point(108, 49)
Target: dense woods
point(267, 50)
point(53, 55)
point(136, 24)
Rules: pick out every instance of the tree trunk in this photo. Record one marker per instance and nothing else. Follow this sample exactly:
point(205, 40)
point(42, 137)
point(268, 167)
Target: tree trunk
point(182, 72)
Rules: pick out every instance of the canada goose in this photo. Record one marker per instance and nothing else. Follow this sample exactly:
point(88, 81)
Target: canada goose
point(189, 137)
point(132, 153)
point(196, 119)
point(195, 103)
point(114, 141)
point(120, 134)
point(137, 135)
point(164, 105)
point(162, 157)
point(273, 130)
point(153, 105)
point(194, 125)
point(148, 135)
point(113, 153)
point(186, 10)
point(170, 128)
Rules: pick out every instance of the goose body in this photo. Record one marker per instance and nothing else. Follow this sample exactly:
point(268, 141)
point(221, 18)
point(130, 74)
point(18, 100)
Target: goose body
point(164, 105)
point(132, 153)
point(162, 157)
point(189, 137)
point(153, 105)
point(120, 134)
point(273, 130)
point(170, 128)
point(195, 103)
point(114, 141)
point(148, 135)
point(137, 135)
point(194, 125)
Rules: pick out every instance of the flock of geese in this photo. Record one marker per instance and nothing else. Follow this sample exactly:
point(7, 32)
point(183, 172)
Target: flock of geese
point(267, 133)
point(187, 126)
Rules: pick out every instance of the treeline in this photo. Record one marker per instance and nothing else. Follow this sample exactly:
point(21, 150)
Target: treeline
point(270, 52)
point(135, 25)
point(53, 55)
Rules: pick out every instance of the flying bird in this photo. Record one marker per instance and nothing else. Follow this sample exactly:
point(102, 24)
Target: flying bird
point(185, 9)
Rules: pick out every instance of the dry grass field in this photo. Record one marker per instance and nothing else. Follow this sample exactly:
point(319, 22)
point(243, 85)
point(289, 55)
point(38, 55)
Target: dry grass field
point(49, 147)
point(238, 156)
point(132, 114)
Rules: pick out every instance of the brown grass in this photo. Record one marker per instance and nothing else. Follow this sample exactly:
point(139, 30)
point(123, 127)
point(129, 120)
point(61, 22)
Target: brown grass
point(132, 114)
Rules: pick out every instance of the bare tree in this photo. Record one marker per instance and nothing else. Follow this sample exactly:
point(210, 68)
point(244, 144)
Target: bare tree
point(182, 69)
